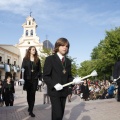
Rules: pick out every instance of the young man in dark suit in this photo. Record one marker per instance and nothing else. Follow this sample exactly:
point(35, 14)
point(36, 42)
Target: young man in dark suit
point(116, 75)
point(57, 72)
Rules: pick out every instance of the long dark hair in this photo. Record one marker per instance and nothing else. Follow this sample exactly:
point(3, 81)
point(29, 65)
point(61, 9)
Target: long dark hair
point(61, 42)
point(27, 56)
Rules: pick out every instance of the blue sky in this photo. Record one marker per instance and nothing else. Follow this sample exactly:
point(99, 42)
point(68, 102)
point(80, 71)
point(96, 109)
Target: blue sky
point(82, 22)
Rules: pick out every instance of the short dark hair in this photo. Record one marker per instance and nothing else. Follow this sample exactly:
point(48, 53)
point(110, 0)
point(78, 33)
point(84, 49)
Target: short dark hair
point(8, 74)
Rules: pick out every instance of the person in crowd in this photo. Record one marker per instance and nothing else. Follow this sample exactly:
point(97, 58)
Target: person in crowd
point(74, 89)
point(40, 84)
point(110, 92)
point(69, 93)
point(102, 92)
point(57, 72)
point(85, 90)
point(91, 91)
point(96, 91)
point(78, 89)
point(45, 94)
point(1, 94)
point(8, 91)
point(32, 72)
point(105, 91)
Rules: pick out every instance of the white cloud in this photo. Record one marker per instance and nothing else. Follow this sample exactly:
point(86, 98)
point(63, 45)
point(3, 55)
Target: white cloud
point(18, 6)
point(57, 12)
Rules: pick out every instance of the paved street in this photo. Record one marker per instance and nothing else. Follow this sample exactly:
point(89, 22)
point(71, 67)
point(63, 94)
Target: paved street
point(76, 110)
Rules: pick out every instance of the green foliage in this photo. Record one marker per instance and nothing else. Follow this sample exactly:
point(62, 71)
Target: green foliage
point(44, 53)
point(104, 55)
point(74, 66)
point(87, 67)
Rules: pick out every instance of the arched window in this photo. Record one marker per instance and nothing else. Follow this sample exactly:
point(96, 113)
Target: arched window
point(28, 42)
point(26, 32)
point(31, 33)
point(29, 23)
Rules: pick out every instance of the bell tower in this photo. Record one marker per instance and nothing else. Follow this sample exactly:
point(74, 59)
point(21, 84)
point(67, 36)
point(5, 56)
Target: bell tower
point(29, 31)
point(29, 37)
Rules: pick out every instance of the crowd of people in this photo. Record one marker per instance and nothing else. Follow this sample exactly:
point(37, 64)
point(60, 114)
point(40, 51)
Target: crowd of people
point(92, 90)
point(89, 90)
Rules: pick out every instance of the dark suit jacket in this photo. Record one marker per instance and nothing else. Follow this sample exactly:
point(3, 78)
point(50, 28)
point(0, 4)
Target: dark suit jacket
point(26, 64)
point(52, 74)
point(116, 71)
point(8, 90)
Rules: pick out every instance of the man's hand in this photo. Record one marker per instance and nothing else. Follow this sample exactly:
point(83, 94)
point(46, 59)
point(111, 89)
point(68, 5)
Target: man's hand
point(115, 80)
point(58, 87)
point(77, 80)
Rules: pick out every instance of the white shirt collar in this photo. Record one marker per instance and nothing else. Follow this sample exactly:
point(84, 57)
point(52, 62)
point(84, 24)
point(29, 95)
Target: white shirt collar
point(60, 56)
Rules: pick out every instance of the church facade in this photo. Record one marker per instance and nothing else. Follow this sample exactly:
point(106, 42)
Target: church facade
point(11, 56)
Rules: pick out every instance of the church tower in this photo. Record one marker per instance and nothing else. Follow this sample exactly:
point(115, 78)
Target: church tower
point(29, 37)
point(29, 31)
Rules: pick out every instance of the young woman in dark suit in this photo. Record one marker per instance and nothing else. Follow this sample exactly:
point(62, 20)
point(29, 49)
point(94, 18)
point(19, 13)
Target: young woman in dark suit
point(56, 72)
point(32, 66)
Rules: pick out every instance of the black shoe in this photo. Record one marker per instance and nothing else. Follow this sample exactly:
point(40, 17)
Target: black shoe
point(31, 114)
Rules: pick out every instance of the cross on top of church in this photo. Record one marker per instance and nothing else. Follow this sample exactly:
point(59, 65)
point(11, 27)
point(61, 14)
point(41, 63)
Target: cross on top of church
point(30, 13)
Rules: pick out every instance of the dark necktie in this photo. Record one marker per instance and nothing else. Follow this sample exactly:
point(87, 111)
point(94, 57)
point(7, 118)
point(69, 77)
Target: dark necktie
point(63, 60)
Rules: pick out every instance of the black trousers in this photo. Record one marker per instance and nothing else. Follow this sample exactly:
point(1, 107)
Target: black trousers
point(58, 107)
point(9, 99)
point(8, 103)
point(31, 90)
point(118, 94)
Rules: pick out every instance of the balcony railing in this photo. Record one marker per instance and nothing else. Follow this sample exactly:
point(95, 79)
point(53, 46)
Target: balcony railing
point(9, 67)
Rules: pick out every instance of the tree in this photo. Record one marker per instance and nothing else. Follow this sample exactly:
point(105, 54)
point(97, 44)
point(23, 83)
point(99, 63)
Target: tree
point(87, 67)
point(74, 66)
point(104, 55)
point(44, 53)
point(108, 52)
